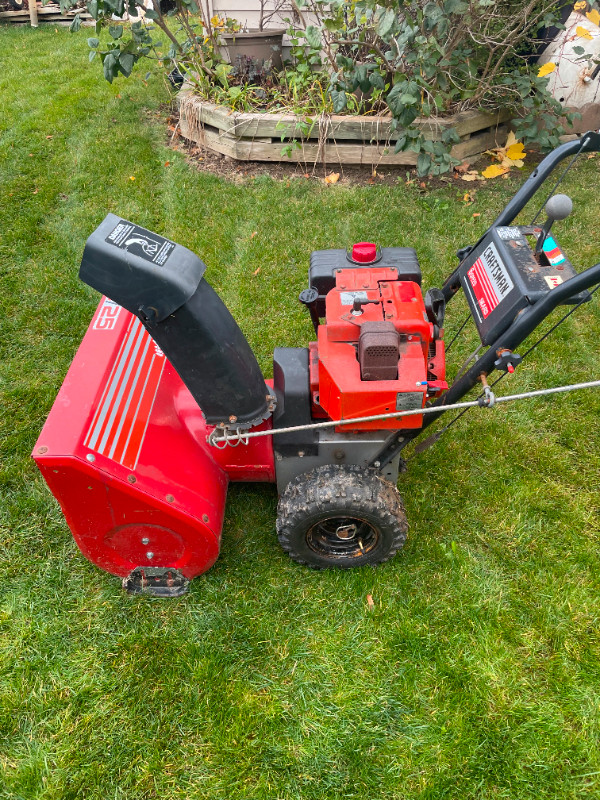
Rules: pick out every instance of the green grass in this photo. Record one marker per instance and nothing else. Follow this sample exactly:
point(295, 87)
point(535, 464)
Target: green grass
point(476, 675)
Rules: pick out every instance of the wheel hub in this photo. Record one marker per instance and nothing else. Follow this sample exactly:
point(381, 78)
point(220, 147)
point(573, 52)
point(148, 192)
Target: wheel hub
point(342, 537)
point(345, 532)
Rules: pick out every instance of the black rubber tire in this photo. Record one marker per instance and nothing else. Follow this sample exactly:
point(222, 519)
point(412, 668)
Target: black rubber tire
point(18, 5)
point(341, 516)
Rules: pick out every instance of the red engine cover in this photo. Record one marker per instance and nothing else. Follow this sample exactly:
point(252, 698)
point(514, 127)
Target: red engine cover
point(342, 394)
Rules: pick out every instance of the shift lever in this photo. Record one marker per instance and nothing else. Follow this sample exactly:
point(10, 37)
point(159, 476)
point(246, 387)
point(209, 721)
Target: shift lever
point(559, 206)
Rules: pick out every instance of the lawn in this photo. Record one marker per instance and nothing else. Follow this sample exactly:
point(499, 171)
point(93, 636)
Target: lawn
point(477, 672)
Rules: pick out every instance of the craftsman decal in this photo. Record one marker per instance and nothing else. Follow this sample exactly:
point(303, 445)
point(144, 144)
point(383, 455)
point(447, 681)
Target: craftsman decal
point(140, 242)
point(119, 425)
point(489, 280)
point(107, 316)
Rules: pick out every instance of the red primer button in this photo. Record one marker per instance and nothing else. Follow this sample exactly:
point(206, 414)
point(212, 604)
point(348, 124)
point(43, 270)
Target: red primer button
point(364, 252)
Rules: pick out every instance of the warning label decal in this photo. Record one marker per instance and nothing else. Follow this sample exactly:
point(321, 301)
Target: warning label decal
point(141, 242)
point(489, 280)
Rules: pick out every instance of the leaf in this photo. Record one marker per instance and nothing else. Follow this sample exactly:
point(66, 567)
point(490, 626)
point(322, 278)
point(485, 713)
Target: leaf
point(92, 42)
point(516, 151)
point(370, 602)
point(580, 5)
point(471, 175)
point(92, 55)
point(594, 17)
point(110, 67)
point(333, 177)
point(546, 69)
point(493, 171)
point(151, 14)
point(313, 37)
point(126, 61)
point(76, 24)
point(423, 164)
point(583, 33)
point(116, 31)
point(340, 100)
point(385, 23)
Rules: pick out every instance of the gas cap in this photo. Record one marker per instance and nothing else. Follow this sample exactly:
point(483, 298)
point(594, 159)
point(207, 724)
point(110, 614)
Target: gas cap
point(364, 252)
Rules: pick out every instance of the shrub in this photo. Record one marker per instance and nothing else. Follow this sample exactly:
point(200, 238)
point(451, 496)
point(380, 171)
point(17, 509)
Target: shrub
point(415, 58)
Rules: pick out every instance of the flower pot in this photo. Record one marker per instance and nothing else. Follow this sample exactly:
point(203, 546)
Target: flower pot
point(259, 47)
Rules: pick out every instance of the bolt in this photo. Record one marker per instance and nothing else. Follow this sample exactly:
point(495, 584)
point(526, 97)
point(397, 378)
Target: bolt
point(91, 457)
point(149, 555)
point(170, 498)
point(233, 418)
point(377, 463)
point(339, 455)
point(145, 540)
point(300, 453)
point(42, 450)
point(204, 517)
point(131, 479)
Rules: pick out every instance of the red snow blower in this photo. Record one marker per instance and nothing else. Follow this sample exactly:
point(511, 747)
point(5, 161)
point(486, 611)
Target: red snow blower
point(165, 403)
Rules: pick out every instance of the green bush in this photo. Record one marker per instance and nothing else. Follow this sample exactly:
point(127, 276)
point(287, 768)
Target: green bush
point(413, 59)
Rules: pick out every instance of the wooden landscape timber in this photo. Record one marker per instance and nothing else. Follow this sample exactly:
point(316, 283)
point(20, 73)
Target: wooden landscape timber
point(48, 13)
point(331, 139)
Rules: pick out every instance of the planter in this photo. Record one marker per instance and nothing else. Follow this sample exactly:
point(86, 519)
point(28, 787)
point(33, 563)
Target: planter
point(257, 46)
point(333, 139)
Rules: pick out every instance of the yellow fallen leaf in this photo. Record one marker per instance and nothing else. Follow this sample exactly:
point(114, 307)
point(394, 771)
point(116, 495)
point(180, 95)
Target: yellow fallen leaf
point(370, 602)
point(594, 17)
point(333, 177)
point(493, 171)
point(132, 177)
point(516, 151)
point(546, 69)
point(583, 33)
point(471, 175)
point(580, 5)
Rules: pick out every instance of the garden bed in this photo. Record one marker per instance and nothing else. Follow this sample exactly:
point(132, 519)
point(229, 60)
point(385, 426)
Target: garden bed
point(331, 139)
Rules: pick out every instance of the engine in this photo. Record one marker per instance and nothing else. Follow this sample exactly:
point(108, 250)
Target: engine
point(379, 350)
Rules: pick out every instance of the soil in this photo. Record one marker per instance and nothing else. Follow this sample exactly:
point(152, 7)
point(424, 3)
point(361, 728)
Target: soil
point(239, 171)
point(236, 171)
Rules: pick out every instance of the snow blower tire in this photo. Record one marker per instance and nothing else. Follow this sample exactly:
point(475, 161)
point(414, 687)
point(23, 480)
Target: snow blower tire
point(341, 516)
